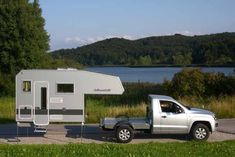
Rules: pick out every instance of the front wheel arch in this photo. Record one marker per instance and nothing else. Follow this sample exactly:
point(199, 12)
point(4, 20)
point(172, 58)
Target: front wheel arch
point(208, 124)
point(200, 132)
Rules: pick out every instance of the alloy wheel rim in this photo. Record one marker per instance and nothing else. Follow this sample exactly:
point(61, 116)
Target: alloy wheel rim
point(200, 133)
point(124, 134)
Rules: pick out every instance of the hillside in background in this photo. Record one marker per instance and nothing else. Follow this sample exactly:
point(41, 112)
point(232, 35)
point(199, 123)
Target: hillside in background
point(214, 49)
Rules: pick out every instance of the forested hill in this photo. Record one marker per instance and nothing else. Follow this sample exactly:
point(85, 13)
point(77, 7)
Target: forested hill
point(217, 49)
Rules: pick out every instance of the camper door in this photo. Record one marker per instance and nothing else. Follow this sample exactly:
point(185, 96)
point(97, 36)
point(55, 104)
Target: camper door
point(41, 103)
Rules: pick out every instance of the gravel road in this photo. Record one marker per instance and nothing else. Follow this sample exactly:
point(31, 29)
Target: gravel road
point(71, 133)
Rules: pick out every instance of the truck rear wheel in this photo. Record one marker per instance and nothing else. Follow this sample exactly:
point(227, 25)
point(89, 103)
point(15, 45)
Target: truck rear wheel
point(200, 132)
point(124, 134)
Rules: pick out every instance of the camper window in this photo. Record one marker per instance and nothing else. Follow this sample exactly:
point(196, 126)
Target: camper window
point(65, 88)
point(26, 86)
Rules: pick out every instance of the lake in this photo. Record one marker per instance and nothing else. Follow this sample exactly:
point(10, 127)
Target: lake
point(153, 74)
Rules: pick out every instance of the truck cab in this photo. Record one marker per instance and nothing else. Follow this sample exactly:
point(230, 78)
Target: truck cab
point(164, 115)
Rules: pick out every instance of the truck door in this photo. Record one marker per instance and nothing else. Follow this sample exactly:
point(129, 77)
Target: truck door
point(173, 118)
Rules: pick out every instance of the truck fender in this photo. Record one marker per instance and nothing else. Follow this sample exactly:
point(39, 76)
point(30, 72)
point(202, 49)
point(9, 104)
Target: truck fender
point(207, 123)
point(121, 123)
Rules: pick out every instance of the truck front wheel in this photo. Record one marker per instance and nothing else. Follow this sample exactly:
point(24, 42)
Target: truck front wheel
point(200, 132)
point(124, 134)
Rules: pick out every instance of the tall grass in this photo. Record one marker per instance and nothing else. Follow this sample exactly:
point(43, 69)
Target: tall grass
point(138, 110)
point(224, 107)
point(7, 109)
point(97, 109)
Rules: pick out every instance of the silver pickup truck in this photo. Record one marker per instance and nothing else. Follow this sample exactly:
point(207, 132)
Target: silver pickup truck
point(164, 116)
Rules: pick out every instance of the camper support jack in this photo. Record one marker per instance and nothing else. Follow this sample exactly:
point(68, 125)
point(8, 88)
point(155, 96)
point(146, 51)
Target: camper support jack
point(82, 128)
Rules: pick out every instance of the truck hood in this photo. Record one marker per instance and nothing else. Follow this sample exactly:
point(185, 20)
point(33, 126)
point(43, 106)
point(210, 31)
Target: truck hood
point(200, 111)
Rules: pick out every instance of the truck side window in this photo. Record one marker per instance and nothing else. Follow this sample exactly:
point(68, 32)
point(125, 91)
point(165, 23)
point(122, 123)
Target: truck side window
point(168, 106)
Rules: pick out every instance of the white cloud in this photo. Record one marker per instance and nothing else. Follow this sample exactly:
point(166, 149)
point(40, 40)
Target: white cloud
point(84, 41)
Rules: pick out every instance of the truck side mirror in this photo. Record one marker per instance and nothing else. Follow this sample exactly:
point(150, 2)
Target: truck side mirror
point(179, 110)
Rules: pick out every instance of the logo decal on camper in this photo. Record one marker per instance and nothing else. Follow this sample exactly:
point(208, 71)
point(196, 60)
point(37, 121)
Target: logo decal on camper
point(56, 100)
point(102, 90)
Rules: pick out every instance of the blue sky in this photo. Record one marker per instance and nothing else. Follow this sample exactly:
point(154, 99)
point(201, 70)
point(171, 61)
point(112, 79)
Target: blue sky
point(73, 23)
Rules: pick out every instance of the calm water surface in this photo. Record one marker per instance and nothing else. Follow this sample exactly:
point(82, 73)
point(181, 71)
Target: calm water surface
point(154, 75)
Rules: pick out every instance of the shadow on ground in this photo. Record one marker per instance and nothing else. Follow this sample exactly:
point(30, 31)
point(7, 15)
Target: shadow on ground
point(95, 133)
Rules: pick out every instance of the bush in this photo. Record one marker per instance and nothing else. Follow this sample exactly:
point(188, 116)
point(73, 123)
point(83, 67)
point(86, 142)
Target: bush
point(187, 82)
point(218, 84)
point(193, 82)
point(7, 86)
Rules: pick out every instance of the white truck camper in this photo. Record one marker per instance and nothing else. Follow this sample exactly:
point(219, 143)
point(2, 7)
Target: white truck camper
point(44, 96)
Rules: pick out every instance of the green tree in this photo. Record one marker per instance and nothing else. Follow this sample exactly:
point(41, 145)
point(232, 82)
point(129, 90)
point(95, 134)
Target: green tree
point(188, 82)
point(145, 60)
point(182, 58)
point(23, 39)
point(218, 84)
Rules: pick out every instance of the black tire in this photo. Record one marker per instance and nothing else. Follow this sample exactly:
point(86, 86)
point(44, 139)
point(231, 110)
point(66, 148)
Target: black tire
point(200, 132)
point(124, 134)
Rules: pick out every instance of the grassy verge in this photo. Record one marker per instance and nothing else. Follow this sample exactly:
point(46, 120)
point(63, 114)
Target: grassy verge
point(216, 149)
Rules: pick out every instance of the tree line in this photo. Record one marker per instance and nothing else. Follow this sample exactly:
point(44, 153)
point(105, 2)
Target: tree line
point(214, 49)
